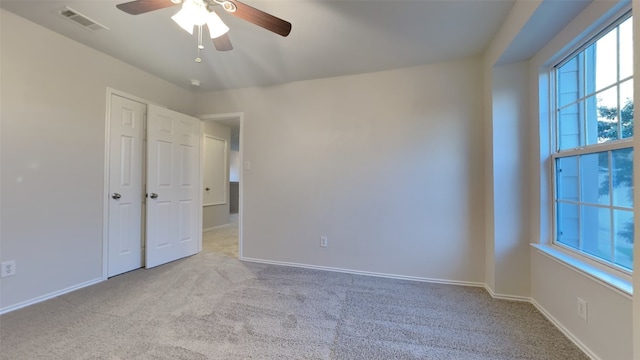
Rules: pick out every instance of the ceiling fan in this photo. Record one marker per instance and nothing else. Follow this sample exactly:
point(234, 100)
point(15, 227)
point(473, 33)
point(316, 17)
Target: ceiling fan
point(233, 7)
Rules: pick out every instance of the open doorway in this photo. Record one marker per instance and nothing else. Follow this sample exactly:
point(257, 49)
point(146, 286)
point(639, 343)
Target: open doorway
point(222, 219)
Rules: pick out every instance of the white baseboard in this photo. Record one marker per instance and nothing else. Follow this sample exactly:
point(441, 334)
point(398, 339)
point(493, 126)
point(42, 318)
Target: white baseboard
point(565, 331)
point(52, 295)
point(366, 273)
point(506, 297)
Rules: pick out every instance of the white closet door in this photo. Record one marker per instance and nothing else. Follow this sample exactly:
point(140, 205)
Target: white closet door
point(126, 196)
point(173, 186)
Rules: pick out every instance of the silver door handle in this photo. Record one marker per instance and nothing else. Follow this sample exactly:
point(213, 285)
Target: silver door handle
point(153, 196)
point(115, 196)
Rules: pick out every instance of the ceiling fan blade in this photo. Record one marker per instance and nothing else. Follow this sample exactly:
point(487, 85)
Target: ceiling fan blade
point(223, 43)
point(259, 17)
point(142, 6)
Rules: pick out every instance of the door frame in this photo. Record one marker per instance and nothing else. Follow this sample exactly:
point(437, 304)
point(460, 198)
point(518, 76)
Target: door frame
point(240, 117)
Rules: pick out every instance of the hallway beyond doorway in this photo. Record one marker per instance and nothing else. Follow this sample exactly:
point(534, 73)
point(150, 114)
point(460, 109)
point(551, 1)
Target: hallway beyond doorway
point(222, 240)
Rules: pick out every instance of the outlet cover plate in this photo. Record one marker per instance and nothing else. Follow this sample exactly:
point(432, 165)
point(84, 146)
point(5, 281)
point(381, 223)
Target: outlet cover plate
point(582, 309)
point(323, 241)
point(8, 268)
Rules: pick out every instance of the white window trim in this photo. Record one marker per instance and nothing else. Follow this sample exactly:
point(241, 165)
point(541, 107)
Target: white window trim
point(595, 148)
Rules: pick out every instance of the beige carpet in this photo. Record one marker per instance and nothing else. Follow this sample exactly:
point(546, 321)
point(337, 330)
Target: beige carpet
point(212, 306)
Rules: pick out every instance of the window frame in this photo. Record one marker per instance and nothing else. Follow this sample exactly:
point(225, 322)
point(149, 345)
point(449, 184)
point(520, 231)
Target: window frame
point(608, 146)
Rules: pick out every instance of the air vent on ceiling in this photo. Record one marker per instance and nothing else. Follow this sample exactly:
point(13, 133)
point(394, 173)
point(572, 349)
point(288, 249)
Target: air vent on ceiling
point(80, 19)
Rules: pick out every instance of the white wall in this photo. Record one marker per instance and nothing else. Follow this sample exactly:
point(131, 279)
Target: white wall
point(489, 244)
point(506, 271)
point(511, 176)
point(556, 287)
point(53, 107)
point(216, 215)
point(388, 165)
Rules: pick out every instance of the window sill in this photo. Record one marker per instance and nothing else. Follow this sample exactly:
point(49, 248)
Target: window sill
point(615, 282)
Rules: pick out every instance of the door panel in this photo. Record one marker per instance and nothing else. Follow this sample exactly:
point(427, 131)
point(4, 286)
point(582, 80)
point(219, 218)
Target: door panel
point(185, 220)
point(125, 237)
point(164, 164)
point(173, 174)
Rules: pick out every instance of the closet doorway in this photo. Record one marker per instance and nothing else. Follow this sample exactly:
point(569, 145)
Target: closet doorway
point(152, 185)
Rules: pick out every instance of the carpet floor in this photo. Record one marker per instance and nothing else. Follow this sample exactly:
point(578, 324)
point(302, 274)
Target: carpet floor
point(212, 306)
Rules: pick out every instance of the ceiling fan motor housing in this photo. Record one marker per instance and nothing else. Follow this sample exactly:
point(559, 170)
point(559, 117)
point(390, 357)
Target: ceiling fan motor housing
point(229, 6)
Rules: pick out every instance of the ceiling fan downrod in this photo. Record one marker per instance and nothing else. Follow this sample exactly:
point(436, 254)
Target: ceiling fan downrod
point(200, 46)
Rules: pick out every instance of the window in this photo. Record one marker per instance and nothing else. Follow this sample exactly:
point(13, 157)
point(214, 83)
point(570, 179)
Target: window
point(593, 153)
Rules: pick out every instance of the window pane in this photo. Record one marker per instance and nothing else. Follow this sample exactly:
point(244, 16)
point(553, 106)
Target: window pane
point(626, 48)
point(591, 117)
point(604, 55)
point(626, 112)
point(607, 126)
point(622, 176)
point(568, 82)
point(594, 178)
point(623, 238)
point(567, 178)
point(596, 232)
point(569, 126)
point(567, 219)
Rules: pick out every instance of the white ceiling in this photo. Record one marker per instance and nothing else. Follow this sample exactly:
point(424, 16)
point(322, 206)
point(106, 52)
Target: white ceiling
point(329, 38)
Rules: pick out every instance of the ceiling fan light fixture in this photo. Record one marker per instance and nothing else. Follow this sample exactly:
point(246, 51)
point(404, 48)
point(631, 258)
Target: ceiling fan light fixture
point(216, 27)
point(184, 20)
point(193, 13)
point(199, 13)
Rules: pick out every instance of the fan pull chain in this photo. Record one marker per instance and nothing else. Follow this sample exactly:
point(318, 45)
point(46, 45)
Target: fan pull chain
point(200, 46)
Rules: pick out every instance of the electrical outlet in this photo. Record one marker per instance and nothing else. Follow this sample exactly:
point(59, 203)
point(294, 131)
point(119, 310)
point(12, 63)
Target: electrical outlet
point(8, 268)
point(323, 241)
point(582, 309)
